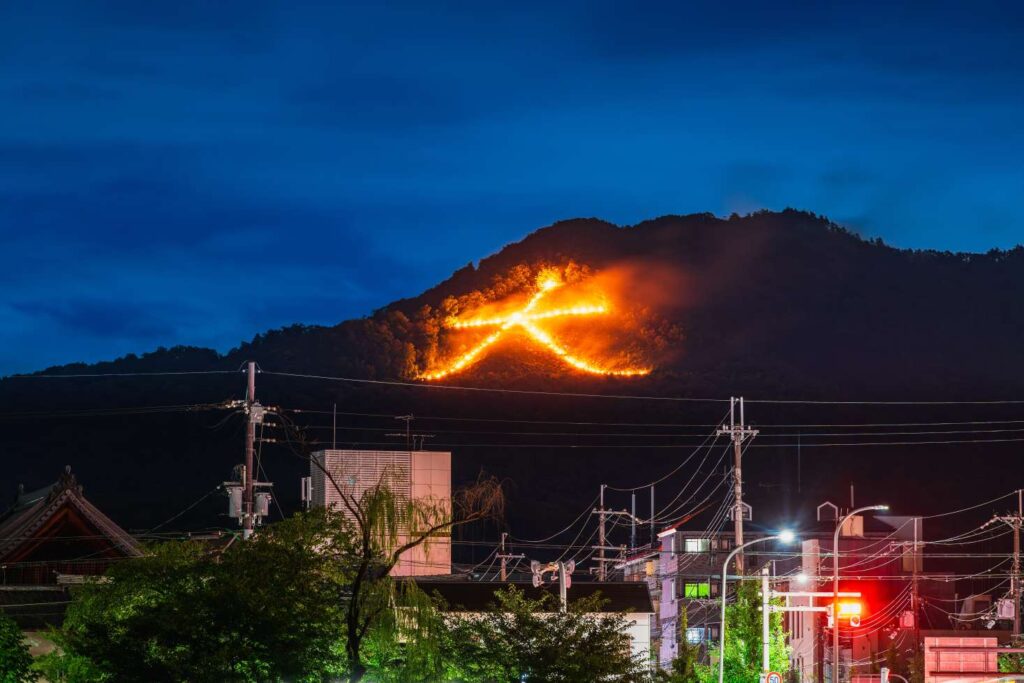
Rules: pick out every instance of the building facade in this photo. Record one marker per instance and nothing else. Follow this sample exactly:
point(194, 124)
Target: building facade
point(416, 475)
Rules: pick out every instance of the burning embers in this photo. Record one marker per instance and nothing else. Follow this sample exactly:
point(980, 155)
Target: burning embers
point(528, 319)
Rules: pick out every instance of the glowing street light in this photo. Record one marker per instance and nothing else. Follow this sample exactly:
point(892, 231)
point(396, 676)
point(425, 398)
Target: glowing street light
point(785, 536)
point(835, 585)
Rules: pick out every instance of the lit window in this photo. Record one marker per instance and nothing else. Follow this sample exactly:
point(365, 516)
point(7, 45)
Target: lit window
point(696, 590)
point(696, 545)
point(695, 635)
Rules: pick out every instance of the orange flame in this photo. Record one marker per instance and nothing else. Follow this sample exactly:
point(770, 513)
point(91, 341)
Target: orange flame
point(525, 318)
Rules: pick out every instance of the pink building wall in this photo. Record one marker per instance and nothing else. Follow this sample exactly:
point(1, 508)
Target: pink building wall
point(421, 475)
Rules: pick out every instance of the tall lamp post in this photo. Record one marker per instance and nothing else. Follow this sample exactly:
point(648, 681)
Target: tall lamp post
point(835, 585)
point(785, 537)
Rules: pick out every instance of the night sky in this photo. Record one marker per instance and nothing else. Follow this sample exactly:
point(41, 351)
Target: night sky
point(197, 172)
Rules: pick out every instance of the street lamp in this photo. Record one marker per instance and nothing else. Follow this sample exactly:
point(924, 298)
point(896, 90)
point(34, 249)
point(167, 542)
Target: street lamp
point(835, 586)
point(784, 536)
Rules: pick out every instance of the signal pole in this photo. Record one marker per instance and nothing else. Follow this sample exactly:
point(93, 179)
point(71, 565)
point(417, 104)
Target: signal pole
point(250, 438)
point(738, 433)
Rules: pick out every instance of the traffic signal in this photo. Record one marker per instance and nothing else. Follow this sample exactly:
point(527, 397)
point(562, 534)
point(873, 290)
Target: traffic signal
point(850, 608)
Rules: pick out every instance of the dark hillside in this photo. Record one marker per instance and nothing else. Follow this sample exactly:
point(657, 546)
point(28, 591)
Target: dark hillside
point(773, 305)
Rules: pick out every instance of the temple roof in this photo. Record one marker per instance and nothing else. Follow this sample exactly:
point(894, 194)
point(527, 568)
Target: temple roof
point(26, 521)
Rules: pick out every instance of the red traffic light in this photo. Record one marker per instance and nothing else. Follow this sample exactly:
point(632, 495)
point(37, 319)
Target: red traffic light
point(849, 608)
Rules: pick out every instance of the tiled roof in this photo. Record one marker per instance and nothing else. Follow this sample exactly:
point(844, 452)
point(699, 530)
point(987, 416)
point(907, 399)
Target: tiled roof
point(29, 514)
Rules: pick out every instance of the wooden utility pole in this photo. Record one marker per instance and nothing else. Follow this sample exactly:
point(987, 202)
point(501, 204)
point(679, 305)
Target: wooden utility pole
point(915, 599)
point(738, 433)
point(248, 507)
point(602, 573)
point(632, 525)
point(1014, 522)
point(654, 537)
point(505, 557)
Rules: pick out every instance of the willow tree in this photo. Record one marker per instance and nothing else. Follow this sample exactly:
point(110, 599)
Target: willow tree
point(380, 612)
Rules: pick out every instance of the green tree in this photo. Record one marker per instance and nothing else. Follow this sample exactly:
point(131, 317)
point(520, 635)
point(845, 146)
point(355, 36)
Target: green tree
point(1011, 662)
point(15, 661)
point(388, 624)
point(743, 635)
point(265, 610)
point(685, 667)
point(519, 639)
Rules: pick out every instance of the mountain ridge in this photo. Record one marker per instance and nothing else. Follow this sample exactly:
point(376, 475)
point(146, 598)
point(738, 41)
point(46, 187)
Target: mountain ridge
point(774, 305)
point(572, 239)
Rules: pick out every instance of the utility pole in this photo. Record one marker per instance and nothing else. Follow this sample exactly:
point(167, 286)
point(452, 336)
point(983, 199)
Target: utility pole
point(738, 433)
point(1014, 522)
point(915, 600)
point(601, 571)
point(504, 566)
point(505, 557)
point(248, 508)
point(632, 525)
point(654, 538)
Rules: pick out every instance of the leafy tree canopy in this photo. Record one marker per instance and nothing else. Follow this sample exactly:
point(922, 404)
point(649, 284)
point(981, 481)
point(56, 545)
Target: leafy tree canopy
point(15, 661)
point(743, 636)
point(265, 610)
point(519, 639)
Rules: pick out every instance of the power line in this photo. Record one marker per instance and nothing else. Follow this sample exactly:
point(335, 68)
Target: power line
point(686, 399)
point(124, 374)
point(790, 425)
point(676, 446)
point(528, 392)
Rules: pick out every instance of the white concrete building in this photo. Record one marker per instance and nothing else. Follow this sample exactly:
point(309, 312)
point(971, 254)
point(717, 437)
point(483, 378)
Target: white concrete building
point(424, 475)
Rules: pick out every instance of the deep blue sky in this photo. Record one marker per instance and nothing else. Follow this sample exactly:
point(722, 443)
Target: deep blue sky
point(197, 172)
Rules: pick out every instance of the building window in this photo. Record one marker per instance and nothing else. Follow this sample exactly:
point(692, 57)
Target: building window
point(696, 545)
point(696, 590)
point(694, 636)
